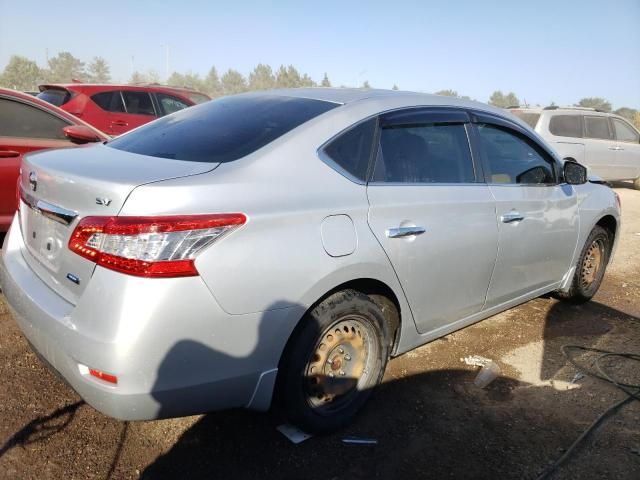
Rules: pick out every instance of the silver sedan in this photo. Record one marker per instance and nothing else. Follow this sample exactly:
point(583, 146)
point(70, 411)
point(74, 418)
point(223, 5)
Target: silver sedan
point(284, 245)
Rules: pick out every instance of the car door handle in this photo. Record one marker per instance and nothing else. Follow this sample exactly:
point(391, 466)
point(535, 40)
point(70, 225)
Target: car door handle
point(616, 148)
point(119, 123)
point(511, 217)
point(399, 232)
point(9, 154)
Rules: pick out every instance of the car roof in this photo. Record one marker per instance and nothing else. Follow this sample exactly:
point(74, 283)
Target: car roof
point(138, 86)
point(35, 101)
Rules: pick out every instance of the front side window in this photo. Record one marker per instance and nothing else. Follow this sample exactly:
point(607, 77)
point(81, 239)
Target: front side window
point(624, 132)
point(24, 121)
point(566, 126)
point(109, 101)
point(511, 158)
point(169, 103)
point(430, 153)
point(222, 130)
point(597, 127)
point(138, 103)
point(351, 151)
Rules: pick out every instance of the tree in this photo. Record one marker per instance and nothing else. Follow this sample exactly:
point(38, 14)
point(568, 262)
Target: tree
point(21, 74)
point(98, 71)
point(307, 81)
point(395, 87)
point(233, 82)
point(262, 78)
point(366, 84)
point(501, 100)
point(188, 80)
point(447, 93)
point(288, 77)
point(64, 68)
point(626, 112)
point(150, 77)
point(212, 85)
point(325, 81)
point(595, 102)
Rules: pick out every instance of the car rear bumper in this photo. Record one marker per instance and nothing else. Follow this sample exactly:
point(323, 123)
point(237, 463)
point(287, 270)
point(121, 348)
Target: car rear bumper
point(173, 349)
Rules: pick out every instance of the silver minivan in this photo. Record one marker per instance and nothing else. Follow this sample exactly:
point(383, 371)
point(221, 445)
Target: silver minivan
point(606, 143)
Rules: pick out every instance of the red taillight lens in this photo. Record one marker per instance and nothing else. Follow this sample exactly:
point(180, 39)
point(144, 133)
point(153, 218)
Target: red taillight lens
point(150, 246)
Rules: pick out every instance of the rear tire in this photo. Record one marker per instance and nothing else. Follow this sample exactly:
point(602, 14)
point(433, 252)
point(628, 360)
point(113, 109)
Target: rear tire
point(335, 358)
point(590, 269)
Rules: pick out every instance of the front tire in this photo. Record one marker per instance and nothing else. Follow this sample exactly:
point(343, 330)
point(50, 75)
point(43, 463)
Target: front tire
point(591, 267)
point(333, 361)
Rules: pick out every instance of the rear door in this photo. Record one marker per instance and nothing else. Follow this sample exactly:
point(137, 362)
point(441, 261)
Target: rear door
point(627, 153)
point(536, 215)
point(23, 128)
point(600, 147)
point(432, 216)
point(139, 110)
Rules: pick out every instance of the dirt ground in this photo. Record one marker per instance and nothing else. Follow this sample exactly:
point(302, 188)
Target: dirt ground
point(429, 419)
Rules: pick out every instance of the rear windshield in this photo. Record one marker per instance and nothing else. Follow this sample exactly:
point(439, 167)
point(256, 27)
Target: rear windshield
point(55, 96)
point(197, 97)
point(222, 130)
point(530, 118)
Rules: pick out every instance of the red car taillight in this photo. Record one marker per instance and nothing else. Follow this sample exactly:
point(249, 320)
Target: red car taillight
point(150, 246)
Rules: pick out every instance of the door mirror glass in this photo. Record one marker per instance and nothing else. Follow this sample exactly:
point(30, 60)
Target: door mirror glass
point(574, 173)
point(80, 134)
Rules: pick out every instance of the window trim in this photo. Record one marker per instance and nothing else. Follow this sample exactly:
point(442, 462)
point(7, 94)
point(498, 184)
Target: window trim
point(43, 110)
point(609, 126)
point(510, 127)
point(624, 122)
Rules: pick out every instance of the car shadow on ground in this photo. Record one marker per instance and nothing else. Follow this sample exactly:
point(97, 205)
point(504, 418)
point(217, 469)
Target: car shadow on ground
point(433, 424)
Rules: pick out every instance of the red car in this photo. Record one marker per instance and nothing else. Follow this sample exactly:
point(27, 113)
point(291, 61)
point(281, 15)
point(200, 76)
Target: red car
point(28, 124)
point(116, 109)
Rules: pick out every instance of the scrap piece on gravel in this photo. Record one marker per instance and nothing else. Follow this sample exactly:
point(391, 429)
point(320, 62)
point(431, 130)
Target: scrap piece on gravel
point(359, 441)
point(293, 433)
point(578, 376)
point(487, 374)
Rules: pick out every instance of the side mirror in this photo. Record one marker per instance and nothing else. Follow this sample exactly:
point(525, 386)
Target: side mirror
point(80, 134)
point(574, 173)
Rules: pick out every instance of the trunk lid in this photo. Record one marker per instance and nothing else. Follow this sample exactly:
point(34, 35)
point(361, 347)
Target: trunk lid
point(62, 186)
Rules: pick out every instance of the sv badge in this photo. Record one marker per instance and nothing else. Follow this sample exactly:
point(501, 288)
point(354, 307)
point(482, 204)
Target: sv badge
point(103, 201)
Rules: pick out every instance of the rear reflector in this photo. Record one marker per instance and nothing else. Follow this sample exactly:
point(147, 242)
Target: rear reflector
point(103, 376)
point(150, 246)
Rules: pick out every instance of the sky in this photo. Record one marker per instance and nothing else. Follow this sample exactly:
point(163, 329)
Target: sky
point(544, 51)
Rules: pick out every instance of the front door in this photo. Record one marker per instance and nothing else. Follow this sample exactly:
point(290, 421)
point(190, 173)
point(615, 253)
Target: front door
point(434, 220)
point(536, 214)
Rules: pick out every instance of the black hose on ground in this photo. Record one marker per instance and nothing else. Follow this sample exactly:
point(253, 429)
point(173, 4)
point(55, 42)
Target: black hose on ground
point(632, 391)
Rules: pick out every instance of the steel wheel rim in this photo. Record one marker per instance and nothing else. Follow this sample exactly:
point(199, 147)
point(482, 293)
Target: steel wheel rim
point(340, 364)
point(592, 263)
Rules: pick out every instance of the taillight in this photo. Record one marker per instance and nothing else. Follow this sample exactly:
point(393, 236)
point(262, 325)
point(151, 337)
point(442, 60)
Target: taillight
point(150, 246)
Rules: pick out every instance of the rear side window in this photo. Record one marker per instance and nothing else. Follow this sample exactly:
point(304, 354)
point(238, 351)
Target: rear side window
point(430, 153)
point(566, 126)
point(222, 130)
point(597, 127)
point(351, 151)
point(529, 118)
point(24, 121)
point(513, 159)
point(138, 103)
point(169, 103)
point(55, 96)
point(109, 101)
point(624, 132)
point(197, 98)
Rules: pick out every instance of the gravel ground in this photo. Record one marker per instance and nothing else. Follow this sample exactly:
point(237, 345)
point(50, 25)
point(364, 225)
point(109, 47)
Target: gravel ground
point(429, 419)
